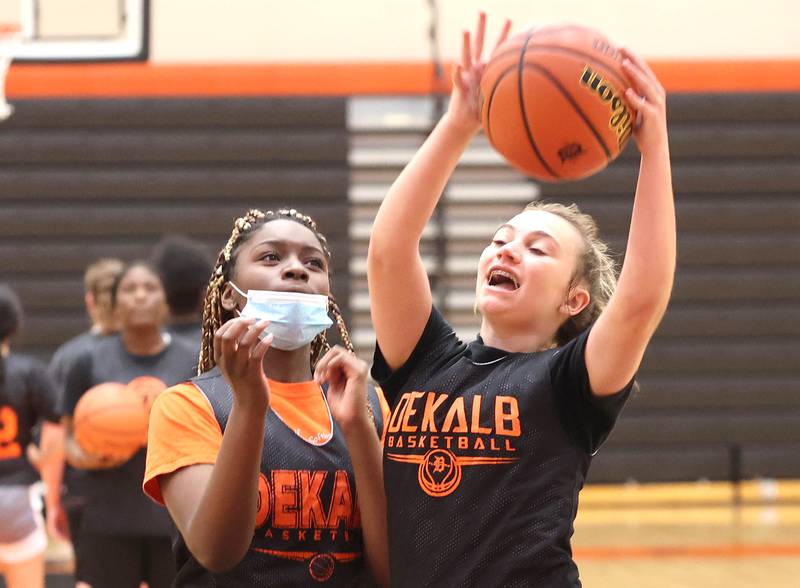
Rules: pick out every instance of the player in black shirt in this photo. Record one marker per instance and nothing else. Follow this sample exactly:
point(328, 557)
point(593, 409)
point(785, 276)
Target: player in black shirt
point(184, 266)
point(98, 280)
point(489, 442)
point(124, 536)
point(27, 397)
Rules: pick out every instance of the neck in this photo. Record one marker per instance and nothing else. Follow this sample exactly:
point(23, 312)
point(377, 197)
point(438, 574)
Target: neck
point(143, 341)
point(103, 329)
point(288, 366)
point(516, 340)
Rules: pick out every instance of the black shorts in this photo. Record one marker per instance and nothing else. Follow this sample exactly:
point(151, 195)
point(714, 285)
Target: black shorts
point(112, 561)
point(74, 512)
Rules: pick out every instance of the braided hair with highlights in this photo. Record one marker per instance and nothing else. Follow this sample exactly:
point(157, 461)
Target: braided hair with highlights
point(214, 315)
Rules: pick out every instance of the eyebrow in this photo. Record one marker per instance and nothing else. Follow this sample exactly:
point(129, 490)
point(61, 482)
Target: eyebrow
point(537, 234)
point(284, 243)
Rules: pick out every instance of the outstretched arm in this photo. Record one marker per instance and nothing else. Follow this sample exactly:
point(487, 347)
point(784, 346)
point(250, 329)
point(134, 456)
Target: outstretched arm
point(623, 330)
point(400, 294)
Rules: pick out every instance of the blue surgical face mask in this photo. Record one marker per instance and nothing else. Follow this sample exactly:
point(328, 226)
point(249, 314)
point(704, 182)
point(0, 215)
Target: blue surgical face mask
point(294, 318)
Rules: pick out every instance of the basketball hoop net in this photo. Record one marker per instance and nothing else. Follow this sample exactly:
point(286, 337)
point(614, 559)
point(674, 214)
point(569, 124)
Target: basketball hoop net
point(9, 38)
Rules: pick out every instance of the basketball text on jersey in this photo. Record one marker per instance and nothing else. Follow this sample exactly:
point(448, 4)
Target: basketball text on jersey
point(470, 433)
point(9, 428)
point(620, 121)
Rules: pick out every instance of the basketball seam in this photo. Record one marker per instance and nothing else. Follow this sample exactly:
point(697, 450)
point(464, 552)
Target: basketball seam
point(574, 104)
point(520, 94)
point(594, 60)
point(531, 33)
point(500, 78)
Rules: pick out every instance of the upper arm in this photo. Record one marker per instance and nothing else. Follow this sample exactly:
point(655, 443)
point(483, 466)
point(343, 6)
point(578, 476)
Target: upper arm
point(615, 348)
point(400, 299)
point(182, 433)
point(78, 380)
point(44, 393)
point(183, 490)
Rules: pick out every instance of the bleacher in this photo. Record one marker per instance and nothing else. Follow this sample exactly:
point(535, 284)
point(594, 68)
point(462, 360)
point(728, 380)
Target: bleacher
point(720, 382)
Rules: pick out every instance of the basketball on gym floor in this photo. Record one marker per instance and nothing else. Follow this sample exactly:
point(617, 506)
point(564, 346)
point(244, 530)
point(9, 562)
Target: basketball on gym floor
point(110, 421)
point(553, 105)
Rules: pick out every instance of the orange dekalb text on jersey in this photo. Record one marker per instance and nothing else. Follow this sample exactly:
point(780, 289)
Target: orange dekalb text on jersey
point(291, 508)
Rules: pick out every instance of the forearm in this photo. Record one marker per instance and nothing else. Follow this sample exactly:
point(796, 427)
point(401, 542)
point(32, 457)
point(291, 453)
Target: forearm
point(52, 462)
point(646, 279)
point(366, 456)
point(413, 196)
point(221, 528)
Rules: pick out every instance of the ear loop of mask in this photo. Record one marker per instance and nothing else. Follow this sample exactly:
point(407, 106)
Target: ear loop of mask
point(235, 287)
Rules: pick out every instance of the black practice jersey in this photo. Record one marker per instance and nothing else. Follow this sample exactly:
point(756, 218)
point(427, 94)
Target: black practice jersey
point(484, 456)
point(27, 396)
point(308, 526)
point(115, 504)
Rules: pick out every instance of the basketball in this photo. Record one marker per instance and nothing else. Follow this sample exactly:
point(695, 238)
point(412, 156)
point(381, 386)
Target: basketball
point(553, 105)
point(110, 421)
point(146, 389)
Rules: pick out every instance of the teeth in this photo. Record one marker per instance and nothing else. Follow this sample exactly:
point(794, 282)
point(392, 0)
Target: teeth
point(498, 272)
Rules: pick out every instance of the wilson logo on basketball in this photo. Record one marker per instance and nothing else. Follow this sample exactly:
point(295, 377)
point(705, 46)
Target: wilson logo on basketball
point(620, 120)
point(424, 421)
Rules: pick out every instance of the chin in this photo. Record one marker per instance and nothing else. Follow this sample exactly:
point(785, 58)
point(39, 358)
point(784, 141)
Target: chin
point(493, 307)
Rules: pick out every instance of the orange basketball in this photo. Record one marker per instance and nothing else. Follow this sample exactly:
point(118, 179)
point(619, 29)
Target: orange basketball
point(109, 420)
point(147, 389)
point(552, 102)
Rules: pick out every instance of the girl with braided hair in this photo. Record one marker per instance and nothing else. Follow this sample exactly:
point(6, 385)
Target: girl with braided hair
point(251, 457)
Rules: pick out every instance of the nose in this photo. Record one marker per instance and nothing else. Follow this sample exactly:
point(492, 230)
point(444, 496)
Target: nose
point(294, 270)
point(508, 252)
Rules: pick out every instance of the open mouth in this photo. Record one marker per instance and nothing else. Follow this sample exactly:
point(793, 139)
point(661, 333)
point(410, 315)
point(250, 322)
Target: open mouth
point(502, 280)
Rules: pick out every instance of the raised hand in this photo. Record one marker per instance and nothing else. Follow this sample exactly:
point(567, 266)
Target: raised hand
point(464, 100)
point(239, 351)
point(346, 376)
point(648, 97)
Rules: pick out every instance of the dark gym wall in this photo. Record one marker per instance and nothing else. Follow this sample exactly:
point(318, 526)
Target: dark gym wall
point(81, 179)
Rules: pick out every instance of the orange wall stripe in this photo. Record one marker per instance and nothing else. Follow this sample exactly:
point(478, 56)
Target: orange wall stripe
point(144, 79)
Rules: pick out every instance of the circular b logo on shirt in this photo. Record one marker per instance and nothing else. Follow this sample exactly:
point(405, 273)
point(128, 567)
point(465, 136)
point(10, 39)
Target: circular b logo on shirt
point(321, 567)
point(439, 473)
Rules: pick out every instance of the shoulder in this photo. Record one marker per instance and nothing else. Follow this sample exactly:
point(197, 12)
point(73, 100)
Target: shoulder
point(77, 344)
point(24, 365)
point(181, 397)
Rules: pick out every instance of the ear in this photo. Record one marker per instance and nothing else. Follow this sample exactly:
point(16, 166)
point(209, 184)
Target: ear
point(231, 300)
point(88, 299)
point(577, 300)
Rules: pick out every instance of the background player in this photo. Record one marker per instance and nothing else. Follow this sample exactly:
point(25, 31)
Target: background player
point(27, 396)
point(124, 538)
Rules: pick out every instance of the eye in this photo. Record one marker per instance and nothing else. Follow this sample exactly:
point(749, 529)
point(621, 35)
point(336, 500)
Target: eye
point(316, 262)
point(498, 242)
point(537, 251)
point(270, 256)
